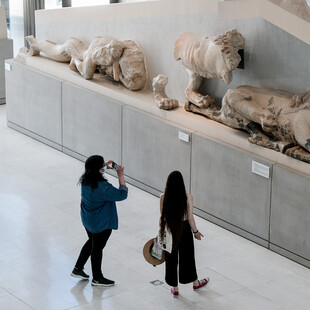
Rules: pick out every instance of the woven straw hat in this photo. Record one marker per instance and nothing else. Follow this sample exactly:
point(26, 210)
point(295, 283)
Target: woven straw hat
point(147, 254)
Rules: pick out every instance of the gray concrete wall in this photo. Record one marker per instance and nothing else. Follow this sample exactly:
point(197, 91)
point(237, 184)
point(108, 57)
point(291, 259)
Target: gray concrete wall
point(151, 149)
point(91, 123)
point(273, 58)
point(290, 211)
point(34, 101)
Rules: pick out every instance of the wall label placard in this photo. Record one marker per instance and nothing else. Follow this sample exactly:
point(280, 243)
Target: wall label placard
point(260, 169)
point(8, 67)
point(184, 136)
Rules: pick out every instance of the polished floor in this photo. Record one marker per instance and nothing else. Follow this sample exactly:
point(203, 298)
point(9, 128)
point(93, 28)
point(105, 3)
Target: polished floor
point(41, 235)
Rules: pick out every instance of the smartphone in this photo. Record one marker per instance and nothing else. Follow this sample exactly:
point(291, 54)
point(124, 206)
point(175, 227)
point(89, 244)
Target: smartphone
point(114, 165)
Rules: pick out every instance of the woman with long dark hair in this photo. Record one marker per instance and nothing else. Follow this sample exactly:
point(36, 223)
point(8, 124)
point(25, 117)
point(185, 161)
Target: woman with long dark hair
point(99, 215)
point(177, 219)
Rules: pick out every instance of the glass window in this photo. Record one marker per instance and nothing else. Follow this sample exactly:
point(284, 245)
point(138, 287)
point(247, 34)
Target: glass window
point(76, 3)
point(16, 24)
point(52, 4)
point(6, 5)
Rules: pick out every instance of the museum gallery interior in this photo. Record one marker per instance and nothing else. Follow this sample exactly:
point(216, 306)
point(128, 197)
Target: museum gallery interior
point(216, 89)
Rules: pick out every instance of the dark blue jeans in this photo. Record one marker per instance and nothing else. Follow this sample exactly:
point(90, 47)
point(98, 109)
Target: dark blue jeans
point(93, 248)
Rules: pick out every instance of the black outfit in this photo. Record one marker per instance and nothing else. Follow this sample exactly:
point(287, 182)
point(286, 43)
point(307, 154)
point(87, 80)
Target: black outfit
point(185, 256)
point(93, 247)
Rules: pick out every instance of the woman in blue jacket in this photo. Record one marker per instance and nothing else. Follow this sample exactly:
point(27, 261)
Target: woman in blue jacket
point(99, 215)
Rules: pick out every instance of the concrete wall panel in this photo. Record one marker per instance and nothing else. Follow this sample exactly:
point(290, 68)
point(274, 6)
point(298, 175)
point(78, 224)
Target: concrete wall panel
point(91, 123)
point(290, 211)
point(152, 149)
point(34, 101)
point(224, 186)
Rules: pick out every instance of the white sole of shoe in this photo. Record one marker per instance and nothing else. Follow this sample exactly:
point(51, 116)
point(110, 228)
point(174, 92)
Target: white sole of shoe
point(80, 277)
point(100, 284)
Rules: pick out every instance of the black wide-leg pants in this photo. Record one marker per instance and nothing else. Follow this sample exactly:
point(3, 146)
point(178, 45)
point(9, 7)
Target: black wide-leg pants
point(93, 248)
point(184, 256)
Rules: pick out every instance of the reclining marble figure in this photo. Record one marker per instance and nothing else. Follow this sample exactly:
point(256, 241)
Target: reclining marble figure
point(124, 61)
point(274, 119)
point(207, 57)
point(160, 96)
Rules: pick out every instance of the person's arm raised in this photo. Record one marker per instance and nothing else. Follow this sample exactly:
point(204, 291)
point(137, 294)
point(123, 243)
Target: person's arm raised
point(120, 174)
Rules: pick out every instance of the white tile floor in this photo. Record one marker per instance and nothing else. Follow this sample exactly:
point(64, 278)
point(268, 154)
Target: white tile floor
point(41, 235)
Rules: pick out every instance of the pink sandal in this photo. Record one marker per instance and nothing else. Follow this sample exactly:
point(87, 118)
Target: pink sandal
point(202, 283)
point(174, 293)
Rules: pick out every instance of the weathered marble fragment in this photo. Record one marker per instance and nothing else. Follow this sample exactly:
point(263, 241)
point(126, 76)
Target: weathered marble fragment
point(160, 96)
point(301, 8)
point(124, 61)
point(274, 119)
point(207, 57)
point(133, 66)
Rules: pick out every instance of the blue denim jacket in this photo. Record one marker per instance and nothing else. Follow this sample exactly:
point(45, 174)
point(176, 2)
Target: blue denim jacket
point(98, 208)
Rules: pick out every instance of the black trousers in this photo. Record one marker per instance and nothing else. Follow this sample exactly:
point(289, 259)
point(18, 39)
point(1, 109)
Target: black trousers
point(184, 256)
point(93, 249)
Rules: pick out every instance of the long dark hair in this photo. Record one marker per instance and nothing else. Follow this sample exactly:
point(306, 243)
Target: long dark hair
point(174, 207)
point(92, 175)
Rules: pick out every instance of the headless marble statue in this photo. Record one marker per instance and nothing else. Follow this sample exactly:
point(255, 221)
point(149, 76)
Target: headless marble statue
point(274, 119)
point(207, 57)
point(122, 60)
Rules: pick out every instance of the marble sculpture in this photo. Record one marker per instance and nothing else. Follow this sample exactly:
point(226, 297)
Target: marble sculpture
point(301, 8)
point(160, 97)
point(274, 119)
point(123, 61)
point(207, 57)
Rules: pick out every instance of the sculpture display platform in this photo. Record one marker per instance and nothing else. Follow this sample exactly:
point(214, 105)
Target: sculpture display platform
point(123, 61)
point(300, 8)
point(274, 119)
point(207, 57)
point(144, 100)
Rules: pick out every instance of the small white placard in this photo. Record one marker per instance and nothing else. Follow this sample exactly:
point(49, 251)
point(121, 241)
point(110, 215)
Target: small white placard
point(7, 67)
point(260, 169)
point(183, 136)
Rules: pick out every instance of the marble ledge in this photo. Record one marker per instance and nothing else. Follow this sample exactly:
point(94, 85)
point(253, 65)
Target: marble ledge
point(269, 11)
point(143, 101)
